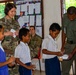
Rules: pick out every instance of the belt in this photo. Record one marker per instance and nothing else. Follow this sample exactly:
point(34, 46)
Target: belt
point(71, 42)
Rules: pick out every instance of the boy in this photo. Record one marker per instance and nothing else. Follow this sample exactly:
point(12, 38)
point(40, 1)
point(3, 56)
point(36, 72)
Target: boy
point(22, 53)
point(3, 61)
point(50, 51)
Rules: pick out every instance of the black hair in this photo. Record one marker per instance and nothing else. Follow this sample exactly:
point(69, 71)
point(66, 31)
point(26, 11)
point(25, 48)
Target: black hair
point(54, 27)
point(23, 32)
point(8, 7)
point(33, 27)
point(1, 27)
point(71, 10)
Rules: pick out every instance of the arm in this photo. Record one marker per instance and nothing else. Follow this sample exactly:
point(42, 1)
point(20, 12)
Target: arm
point(10, 60)
point(3, 63)
point(45, 51)
point(15, 28)
point(64, 23)
point(8, 33)
point(24, 65)
point(63, 40)
point(72, 53)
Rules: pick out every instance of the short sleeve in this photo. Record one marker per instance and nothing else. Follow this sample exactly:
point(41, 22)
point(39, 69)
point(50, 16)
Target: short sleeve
point(44, 44)
point(17, 52)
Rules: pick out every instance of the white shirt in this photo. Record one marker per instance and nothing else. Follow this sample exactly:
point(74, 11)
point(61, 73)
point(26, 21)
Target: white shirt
point(22, 52)
point(1, 47)
point(50, 44)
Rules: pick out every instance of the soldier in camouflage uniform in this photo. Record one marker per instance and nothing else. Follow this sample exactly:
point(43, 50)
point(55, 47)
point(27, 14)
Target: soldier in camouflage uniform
point(9, 43)
point(35, 43)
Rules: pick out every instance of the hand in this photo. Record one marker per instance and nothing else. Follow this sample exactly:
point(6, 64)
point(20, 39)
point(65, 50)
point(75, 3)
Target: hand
point(8, 33)
point(63, 50)
point(70, 56)
point(16, 33)
point(11, 59)
point(31, 67)
point(59, 53)
point(11, 65)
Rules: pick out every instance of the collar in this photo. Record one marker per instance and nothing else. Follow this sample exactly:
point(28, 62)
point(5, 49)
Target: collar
point(23, 43)
point(54, 40)
point(0, 42)
point(1, 46)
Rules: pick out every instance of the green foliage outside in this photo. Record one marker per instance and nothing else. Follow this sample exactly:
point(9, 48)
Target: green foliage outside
point(2, 6)
point(69, 3)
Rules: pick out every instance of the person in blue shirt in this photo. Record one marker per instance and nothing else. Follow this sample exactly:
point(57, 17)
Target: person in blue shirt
point(3, 61)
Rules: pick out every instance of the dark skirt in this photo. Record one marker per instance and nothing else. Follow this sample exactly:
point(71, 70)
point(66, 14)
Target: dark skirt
point(52, 66)
point(25, 71)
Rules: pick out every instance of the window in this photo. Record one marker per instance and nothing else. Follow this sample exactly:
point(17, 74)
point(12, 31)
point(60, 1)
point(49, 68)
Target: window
point(2, 6)
point(67, 3)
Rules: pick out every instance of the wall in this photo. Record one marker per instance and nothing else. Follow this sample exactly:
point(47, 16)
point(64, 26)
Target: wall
point(52, 13)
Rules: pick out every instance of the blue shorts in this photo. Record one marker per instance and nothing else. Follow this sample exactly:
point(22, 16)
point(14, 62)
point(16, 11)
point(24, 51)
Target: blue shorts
point(25, 71)
point(52, 66)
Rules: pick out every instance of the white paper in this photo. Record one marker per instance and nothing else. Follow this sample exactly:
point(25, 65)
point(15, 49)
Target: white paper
point(26, 13)
point(23, 7)
point(21, 21)
point(13, 31)
point(65, 56)
point(37, 8)
point(26, 19)
point(30, 0)
point(18, 2)
point(39, 31)
point(31, 8)
point(36, 0)
point(18, 10)
point(32, 20)
point(38, 20)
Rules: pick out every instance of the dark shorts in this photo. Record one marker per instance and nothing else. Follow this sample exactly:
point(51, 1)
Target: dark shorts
point(52, 66)
point(25, 71)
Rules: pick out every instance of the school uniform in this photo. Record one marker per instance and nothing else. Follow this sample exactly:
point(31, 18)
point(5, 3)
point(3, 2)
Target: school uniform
point(52, 64)
point(22, 52)
point(3, 69)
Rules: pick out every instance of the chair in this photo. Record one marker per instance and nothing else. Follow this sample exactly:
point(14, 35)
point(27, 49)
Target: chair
point(73, 68)
point(39, 57)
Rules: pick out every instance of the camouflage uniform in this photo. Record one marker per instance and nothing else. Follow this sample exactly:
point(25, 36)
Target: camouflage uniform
point(35, 44)
point(69, 28)
point(9, 43)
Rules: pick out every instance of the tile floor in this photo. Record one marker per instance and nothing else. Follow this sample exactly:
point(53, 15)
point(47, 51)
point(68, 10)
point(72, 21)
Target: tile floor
point(42, 73)
point(39, 73)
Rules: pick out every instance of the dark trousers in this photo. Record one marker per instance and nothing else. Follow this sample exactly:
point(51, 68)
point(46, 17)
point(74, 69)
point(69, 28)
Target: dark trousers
point(52, 66)
point(66, 65)
point(25, 71)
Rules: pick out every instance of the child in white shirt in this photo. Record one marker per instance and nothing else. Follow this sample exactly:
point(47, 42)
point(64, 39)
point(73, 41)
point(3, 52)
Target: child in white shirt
point(50, 51)
point(22, 53)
